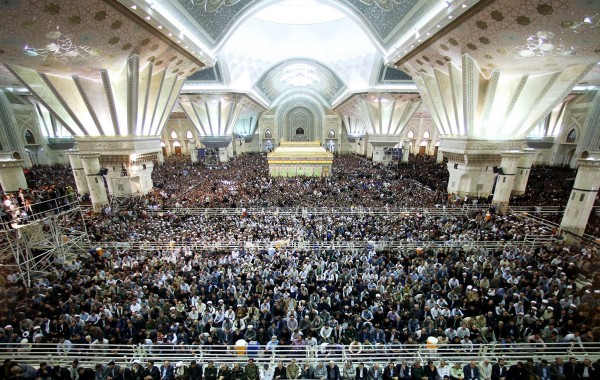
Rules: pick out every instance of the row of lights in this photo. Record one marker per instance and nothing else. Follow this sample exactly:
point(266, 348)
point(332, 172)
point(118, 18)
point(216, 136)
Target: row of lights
point(159, 26)
point(448, 4)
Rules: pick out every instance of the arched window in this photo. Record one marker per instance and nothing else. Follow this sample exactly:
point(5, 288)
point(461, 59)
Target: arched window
point(176, 144)
point(300, 131)
point(29, 137)
point(426, 135)
point(189, 135)
point(572, 136)
point(173, 135)
point(268, 134)
point(411, 134)
point(162, 144)
point(332, 134)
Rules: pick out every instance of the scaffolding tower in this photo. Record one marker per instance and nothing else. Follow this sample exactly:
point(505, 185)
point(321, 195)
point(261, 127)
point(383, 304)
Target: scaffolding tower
point(211, 157)
point(48, 240)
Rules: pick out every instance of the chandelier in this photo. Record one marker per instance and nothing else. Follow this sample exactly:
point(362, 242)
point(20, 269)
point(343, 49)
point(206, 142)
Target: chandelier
point(543, 45)
point(581, 26)
point(62, 48)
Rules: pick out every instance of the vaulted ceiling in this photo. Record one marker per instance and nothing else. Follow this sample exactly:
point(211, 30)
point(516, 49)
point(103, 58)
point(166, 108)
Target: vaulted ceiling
point(266, 48)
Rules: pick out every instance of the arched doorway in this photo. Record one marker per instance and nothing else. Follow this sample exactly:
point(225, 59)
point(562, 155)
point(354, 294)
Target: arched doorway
point(177, 148)
point(300, 124)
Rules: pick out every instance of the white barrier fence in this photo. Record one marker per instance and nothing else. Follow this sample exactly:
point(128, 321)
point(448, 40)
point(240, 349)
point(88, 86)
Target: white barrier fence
point(35, 353)
point(398, 245)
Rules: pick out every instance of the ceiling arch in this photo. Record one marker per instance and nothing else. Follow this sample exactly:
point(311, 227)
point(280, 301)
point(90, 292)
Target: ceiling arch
point(383, 19)
point(299, 73)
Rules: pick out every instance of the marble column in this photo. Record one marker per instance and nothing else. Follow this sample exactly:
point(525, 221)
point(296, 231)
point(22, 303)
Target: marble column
point(12, 177)
point(91, 167)
point(194, 152)
point(523, 171)
point(405, 150)
point(78, 172)
point(583, 195)
point(160, 158)
point(505, 180)
point(223, 156)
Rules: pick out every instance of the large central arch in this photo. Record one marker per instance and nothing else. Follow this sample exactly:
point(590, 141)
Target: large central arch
point(300, 112)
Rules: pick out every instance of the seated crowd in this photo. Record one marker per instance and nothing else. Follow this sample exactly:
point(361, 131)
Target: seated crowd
point(347, 370)
point(371, 300)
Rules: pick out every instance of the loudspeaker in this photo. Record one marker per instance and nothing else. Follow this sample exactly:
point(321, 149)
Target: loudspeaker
point(455, 166)
point(103, 171)
point(495, 170)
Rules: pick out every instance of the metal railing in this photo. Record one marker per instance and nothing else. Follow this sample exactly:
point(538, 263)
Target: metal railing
point(300, 211)
point(40, 210)
point(398, 245)
point(33, 354)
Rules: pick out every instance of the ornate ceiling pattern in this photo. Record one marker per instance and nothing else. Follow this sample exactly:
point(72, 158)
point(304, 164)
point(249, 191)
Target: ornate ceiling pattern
point(385, 18)
point(519, 36)
point(300, 73)
point(67, 37)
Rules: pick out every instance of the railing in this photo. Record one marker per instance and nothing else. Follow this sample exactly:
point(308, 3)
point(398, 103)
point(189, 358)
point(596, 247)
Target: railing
point(33, 354)
point(401, 246)
point(40, 210)
point(304, 211)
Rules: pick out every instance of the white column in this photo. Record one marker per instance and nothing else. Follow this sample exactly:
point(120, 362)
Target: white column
point(583, 195)
point(405, 150)
point(12, 177)
point(474, 179)
point(378, 153)
point(194, 152)
point(523, 171)
point(91, 167)
point(160, 158)
point(440, 156)
point(78, 172)
point(223, 156)
point(505, 180)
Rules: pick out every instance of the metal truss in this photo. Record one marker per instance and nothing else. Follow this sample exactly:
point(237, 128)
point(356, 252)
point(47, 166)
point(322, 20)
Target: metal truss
point(212, 157)
point(40, 247)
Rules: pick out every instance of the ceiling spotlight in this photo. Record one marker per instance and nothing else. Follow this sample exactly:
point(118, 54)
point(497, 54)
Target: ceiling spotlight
point(134, 6)
point(170, 34)
point(464, 5)
point(587, 20)
point(147, 17)
point(438, 25)
point(429, 34)
point(450, 16)
point(178, 41)
point(160, 27)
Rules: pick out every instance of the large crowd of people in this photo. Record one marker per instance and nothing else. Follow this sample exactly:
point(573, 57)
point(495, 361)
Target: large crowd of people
point(368, 298)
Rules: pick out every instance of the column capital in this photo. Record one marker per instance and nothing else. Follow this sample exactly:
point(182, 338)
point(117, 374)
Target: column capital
point(529, 151)
point(588, 163)
point(88, 155)
point(511, 154)
point(11, 164)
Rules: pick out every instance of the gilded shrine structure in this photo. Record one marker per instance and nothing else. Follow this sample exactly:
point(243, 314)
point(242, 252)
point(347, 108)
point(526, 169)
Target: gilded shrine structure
point(300, 158)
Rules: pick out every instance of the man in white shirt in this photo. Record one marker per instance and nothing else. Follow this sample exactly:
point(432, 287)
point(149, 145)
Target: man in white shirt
point(443, 370)
point(485, 370)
